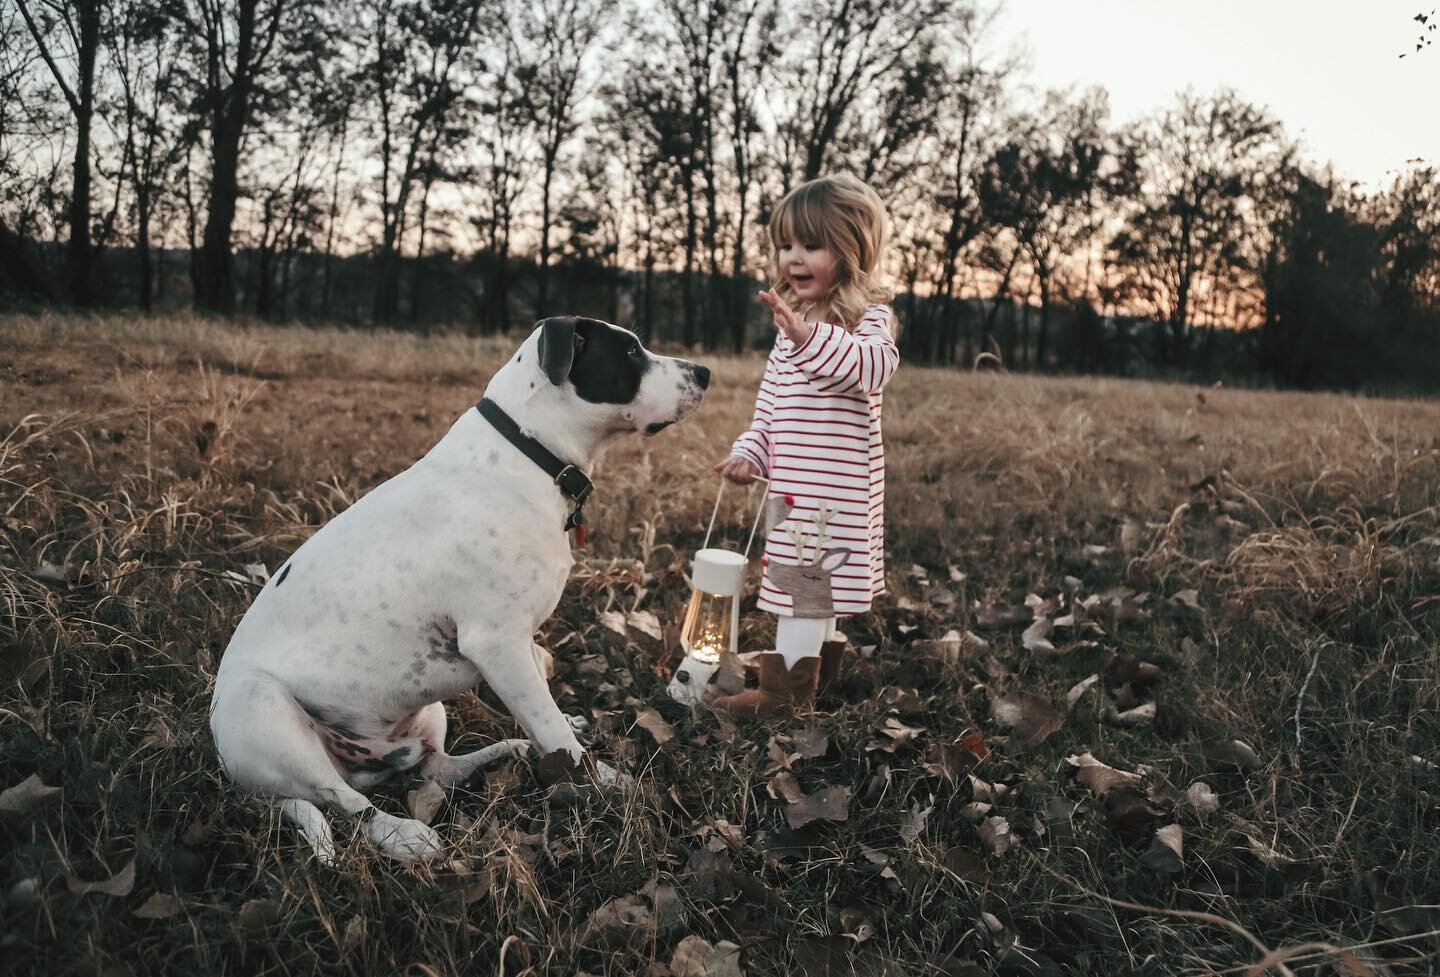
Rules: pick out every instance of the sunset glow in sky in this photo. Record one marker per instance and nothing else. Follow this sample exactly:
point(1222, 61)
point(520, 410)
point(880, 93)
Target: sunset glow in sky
point(1327, 68)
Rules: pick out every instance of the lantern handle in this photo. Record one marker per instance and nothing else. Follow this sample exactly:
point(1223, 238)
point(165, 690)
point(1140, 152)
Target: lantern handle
point(753, 526)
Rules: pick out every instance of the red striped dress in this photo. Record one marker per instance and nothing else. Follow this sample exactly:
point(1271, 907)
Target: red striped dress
point(816, 437)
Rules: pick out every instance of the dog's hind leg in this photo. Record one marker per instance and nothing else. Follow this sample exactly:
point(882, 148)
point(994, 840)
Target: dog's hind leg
point(444, 769)
point(266, 742)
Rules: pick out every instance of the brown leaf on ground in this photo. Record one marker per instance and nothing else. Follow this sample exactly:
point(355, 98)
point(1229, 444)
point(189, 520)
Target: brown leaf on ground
point(964, 863)
point(1099, 777)
point(620, 922)
point(955, 760)
point(1127, 806)
point(1202, 799)
point(258, 915)
point(1079, 689)
point(1187, 598)
point(1167, 851)
point(161, 905)
point(1002, 616)
point(650, 721)
point(1036, 638)
point(26, 796)
point(995, 832)
point(914, 824)
point(119, 884)
point(1030, 717)
point(1141, 715)
point(784, 787)
point(729, 678)
point(697, 957)
point(614, 620)
point(893, 734)
point(354, 936)
point(646, 623)
point(905, 702)
point(830, 804)
point(811, 743)
point(1126, 669)
point(424, 801)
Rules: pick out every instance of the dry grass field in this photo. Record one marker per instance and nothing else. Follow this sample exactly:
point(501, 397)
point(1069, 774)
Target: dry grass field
point(1187, 722)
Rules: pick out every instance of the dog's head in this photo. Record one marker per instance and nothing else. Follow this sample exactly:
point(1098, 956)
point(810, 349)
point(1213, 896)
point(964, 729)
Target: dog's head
point(610, 375)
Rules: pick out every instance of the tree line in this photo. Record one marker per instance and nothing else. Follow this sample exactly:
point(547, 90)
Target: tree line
point(481, 163)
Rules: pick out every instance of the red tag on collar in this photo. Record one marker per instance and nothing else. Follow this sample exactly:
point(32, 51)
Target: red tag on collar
point(580, 535)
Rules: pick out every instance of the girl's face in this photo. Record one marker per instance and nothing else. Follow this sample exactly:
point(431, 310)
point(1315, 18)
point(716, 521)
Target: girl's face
point(808, 267)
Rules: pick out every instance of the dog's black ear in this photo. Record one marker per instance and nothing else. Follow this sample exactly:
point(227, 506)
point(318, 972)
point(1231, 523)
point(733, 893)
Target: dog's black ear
point(557, 347)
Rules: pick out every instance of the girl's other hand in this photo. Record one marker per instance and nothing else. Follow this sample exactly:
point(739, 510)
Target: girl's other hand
point(738, 470)
point(786, 319)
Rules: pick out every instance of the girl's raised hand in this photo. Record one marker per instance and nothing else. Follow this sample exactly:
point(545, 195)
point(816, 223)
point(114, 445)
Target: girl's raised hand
point(739, 470)
point(786, 319)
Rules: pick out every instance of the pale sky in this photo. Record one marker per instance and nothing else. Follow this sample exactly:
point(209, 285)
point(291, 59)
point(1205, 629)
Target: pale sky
point(1327, 68)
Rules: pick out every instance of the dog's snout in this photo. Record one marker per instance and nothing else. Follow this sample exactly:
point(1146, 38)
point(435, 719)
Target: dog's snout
point(702, 375)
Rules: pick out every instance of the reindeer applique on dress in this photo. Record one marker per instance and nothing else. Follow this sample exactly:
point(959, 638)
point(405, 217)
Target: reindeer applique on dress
point(809, 582)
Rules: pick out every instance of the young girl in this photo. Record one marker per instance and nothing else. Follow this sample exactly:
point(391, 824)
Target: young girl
point(816, 435)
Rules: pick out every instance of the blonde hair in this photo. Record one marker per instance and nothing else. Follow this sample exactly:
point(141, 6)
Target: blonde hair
point(843, 215)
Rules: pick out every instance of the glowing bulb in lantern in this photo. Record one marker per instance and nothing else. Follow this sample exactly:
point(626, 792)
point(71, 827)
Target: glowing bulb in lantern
point(712, 621)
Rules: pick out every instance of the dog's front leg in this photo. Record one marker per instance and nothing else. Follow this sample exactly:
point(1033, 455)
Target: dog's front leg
point(511, 671)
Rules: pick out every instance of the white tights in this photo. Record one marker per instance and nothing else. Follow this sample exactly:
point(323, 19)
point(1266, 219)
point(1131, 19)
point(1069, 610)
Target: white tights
point(801, 637)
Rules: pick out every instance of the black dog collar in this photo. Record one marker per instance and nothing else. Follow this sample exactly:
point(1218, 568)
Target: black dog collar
point(574, 484)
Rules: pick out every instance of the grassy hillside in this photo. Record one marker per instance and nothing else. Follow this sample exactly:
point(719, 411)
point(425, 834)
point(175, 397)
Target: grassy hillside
point(1207, 566)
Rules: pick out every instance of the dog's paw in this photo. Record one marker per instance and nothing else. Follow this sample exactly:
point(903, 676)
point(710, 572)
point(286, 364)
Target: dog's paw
point(403, 838)
point(579, 725)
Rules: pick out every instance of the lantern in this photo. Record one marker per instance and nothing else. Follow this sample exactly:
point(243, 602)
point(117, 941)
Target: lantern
point(712, 621)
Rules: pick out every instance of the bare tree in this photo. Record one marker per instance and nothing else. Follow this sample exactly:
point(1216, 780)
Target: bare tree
point(556, 37)
point(67, 33)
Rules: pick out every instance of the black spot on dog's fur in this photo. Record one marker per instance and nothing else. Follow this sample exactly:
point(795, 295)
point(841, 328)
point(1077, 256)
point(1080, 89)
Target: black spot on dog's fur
point(444, 642)
point(285, 572)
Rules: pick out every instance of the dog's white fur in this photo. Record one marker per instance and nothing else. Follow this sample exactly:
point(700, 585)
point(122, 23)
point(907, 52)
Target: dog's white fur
point(435, 580)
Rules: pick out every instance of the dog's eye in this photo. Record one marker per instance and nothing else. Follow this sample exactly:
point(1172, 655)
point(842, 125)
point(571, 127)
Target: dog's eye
point(635, 351)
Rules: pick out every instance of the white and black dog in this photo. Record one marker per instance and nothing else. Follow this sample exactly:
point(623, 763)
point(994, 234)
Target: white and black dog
point(434, 581)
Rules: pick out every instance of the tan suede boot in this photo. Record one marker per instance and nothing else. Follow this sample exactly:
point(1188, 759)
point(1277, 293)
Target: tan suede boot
point(832, 654)
point(782, 692)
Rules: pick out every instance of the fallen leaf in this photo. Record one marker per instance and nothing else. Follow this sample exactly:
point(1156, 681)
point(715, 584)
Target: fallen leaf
point(955, 760)
point(895, 734)
point(784, 787)
point(650, 721)
point(257, 573)
point(995, 832)
point(257, 915)
point(697, 957)
point(963, 863)
point(1167, 851)
point(621, 921)
point(729, 678)
point(1002, 616)
point(1036, 638)
point(1079, 689)
point(161, 905)
point(1031, 718)
point(811, 743)
point(615, 621)
point(120, 884)
point(26, 796)
point(1130, 536)
point(1141, 715)
point(354, 936)
point(1099, 777)
point(1126, 669)
point(830, 804)
point(1204, 800)
point(1127, 806)
point(914, 824)
point(1187, 598)
point(424, 801)
point(646, 623)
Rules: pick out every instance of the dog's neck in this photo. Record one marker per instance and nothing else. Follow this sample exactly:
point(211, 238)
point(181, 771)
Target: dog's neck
point(577, 437)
